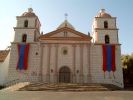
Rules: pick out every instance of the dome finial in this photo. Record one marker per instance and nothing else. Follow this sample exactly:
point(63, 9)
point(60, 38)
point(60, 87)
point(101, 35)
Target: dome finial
point(30, 10)
point(102, 11)
point(103, 14)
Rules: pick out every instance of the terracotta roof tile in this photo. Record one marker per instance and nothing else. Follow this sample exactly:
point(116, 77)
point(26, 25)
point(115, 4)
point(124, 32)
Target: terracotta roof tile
point(3, 55)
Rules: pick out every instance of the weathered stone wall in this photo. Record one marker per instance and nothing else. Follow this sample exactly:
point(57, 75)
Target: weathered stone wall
point(45, 61)
point(32, 73)
point(98, 75)
point(4, 70)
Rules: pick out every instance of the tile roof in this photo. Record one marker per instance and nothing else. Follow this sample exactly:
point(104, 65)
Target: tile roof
point(3, 55)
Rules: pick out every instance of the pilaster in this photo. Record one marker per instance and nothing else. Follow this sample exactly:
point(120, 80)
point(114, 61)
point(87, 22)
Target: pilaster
point(89, 65)
point(48, 63)
point(74, 64)
point(41, 67)
point(81, 63)
point(56, 63)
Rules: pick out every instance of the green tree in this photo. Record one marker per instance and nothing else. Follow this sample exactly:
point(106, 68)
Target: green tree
point(127, 62)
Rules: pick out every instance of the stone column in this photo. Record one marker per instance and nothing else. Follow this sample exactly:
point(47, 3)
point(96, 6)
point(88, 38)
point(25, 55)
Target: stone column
point(89, 65)
point(74, 64)
point(56, 64)
point(81, 63)
point(48, 63)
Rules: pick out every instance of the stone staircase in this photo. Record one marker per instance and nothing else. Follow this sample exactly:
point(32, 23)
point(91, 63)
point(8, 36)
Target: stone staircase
point(16, 86)
point(68, 87)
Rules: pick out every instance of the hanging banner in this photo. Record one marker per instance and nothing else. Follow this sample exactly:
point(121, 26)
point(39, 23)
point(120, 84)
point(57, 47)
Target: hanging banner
point(109, 58)
point(23, 51)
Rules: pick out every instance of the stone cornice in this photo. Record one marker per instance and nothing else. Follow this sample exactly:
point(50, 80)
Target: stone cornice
point(106, 29)
point(106, 44)
point(106, 17)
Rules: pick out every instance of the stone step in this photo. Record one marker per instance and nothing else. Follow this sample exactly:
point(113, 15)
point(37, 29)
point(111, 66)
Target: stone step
point(68, 87)
point(16, 86)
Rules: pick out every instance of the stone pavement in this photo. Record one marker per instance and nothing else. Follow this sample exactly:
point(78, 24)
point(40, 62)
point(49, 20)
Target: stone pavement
point(43, 95)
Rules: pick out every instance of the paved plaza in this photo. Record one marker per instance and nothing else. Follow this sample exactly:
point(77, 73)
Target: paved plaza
point(43, 95)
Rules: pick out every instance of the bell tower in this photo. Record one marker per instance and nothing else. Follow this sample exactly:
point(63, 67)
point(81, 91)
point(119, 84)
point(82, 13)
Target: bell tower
point(27, 28)
point(104, 29)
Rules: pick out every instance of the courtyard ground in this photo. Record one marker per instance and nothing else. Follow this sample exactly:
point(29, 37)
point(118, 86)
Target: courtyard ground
point(46, 95)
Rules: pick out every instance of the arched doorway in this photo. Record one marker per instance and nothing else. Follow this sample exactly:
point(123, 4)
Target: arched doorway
point(64, 75)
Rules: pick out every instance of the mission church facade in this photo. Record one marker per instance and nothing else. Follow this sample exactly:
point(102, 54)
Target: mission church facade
point(66, 55)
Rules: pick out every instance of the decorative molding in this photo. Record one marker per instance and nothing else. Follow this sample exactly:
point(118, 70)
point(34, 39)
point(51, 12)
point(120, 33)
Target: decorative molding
point(106, 29)
point(106, 18)
point(103, 43)
point(65, 38)
point(65, 29)
point(83, 37)
point(25, 28)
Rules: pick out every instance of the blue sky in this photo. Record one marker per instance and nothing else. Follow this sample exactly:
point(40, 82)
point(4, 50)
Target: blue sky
point(80, 15)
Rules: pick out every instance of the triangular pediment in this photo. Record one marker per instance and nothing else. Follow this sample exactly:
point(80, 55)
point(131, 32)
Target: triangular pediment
point(65, 33)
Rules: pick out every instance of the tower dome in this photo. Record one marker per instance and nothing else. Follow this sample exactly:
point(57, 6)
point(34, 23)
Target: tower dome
point(66, 24)
point(30, 13)
point(103, 14)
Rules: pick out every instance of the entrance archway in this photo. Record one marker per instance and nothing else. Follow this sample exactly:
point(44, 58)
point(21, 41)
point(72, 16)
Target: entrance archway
point(64, 75)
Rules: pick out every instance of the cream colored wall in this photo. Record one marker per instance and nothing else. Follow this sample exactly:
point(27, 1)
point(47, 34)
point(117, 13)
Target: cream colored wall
point(44, 62)
point(98, 28)
point(64, 60)
point(61, 34)
point(43, 55)
point(119, 72)
point(69, 34)
point(31, 22)
point(97, 71)
point(86, 62)
point(4, 70)
point(112, 35)
point(33, 27)
point(33, 71)
point(19, 33)
point(96, 64)
point(77, 63)
point(99, 23)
